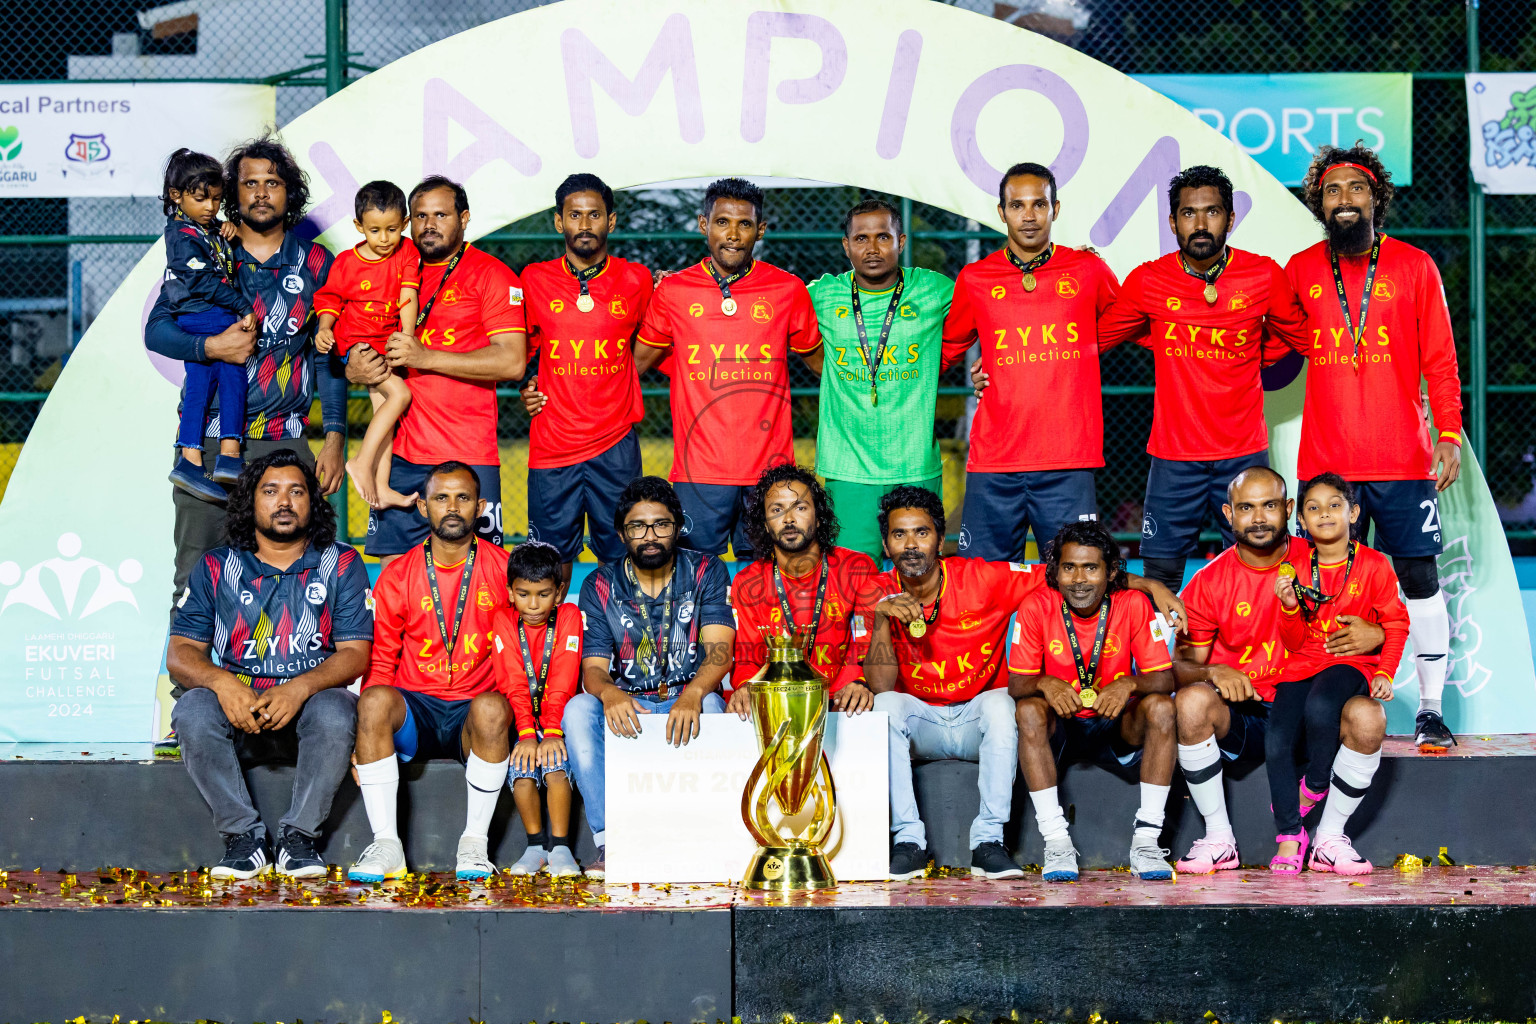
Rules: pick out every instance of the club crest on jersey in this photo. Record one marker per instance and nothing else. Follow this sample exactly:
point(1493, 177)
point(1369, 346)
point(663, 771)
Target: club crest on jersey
point(196, 264)
point(573, 643)
point(999, 292)
point(1238, 301)
point(697, 309)
point(556, 305)
point(1383, 290)
point(293, 284)
point(618, 308)
point(451, 295)
point(685, 611)
point(514, 295)
point(315, 592)
point(1111, 645)
point(1067, 286)
point(246, 597)
point(484, 598)
point(843, 312)
point(907, 311)
point(762, 311)
point(1174, 304)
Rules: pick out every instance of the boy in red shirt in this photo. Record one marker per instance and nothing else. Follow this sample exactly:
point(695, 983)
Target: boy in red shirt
point(538, 668)
point(370, 294)
point(1330, 703)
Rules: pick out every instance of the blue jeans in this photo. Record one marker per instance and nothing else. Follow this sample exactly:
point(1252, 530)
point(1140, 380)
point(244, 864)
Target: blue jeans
point(982, 729)
point(585, 726)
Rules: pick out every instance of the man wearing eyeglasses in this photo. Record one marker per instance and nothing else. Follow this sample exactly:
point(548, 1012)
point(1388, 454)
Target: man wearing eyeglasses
point(657, 638)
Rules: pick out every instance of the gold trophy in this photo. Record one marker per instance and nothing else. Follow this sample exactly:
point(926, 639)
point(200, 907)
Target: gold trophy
point(789, 707)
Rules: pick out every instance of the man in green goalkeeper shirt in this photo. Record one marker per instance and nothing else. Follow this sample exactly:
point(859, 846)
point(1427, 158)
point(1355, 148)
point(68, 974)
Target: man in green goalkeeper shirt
point(877, 435)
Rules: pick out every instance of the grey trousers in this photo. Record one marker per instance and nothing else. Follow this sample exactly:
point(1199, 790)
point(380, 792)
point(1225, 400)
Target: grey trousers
point(319, 739)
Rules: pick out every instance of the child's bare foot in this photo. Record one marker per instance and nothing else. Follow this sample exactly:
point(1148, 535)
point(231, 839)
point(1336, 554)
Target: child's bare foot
point(362, 479)
point(193, 455)
point(391, 498)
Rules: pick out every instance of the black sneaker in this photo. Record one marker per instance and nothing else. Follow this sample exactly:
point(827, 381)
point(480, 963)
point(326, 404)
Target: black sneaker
point(245, 855)
point(992, 860)
point(297, 856)
point(908, 860)
point(1431, 734)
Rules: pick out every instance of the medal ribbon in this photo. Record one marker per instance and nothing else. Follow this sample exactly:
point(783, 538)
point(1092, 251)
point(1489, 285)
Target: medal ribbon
point(1211, 275)
point(583, 276)
point(1312, 598)
point(1356, 334)
point(1034, 264)
point(724, 283)
point(536, 682)
point(929, 620)
point(885, 332)
point(426, 310)
point(220, 248)
point(1086, 672)
point(789, 616)
point(450, 640)
point(648, 644)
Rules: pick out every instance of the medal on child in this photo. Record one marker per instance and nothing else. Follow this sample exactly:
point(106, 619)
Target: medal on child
point(537, 680)
point(651, 650)
point(1312, 597)
point(872, 362)
point(1208, 276)
point(584, 301)
point(918, 628)
point(450, 640)
point(789, 615)
point(1028, 269)
point(1087, 672)
point(728, 305)
point(1356, 333)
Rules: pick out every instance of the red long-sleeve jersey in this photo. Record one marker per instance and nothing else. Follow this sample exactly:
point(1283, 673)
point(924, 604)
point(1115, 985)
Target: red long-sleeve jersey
point(408, 635)
point(1370, 593)
point(1367, 423)
point(564, 668)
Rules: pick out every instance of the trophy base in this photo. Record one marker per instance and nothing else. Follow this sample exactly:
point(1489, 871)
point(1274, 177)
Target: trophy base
point(795, 868)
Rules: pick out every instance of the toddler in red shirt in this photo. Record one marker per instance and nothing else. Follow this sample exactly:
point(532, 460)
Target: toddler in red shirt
point(369, 295)
point(538, 668)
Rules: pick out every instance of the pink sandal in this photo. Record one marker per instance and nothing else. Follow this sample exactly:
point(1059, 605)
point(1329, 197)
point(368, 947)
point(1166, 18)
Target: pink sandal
point(1309, 799)
point(1290, 865)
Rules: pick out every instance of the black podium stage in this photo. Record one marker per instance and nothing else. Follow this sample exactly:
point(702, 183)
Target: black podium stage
point(81, 936)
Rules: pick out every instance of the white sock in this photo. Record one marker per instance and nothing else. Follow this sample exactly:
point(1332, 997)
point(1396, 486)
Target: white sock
point(1352, 772)
point(1203, 761)
point(482, 781)
point(1154, 803)
point(1429, 627)
point(1048, 813)
point(380, 783)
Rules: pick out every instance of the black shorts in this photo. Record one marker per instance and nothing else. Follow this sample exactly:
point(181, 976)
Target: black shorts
point(1094, 740)
point(1244, 741)
point(394, 531)
point(1406, 514)
point(566, 502)
point(1001, 508)
point(1180, 495)
point(433, 727)
point(714, 515)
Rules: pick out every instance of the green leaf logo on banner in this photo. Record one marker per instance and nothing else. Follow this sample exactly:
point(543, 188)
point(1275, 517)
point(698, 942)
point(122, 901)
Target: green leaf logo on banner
point(10, 143)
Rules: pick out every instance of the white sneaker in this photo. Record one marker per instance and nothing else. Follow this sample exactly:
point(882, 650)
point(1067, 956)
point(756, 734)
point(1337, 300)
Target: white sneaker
point(596, 869)
point(562, 864)
point(1149, 862)
point(474, 859)
point(531, 862)
point(1060, 861)
point(383, 859)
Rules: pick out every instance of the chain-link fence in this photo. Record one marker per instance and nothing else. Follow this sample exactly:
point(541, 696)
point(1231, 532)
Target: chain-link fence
point(61, 259)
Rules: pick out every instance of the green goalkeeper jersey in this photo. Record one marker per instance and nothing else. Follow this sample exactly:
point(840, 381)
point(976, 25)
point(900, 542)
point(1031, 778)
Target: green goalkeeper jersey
point(889, 441)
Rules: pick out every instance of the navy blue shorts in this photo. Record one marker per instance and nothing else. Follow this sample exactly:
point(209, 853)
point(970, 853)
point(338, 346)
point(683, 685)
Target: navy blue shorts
point(1406, 514)
point(433, 727)
point(1179, 497)
point(394, 531)
point(1000, 509)
point(714, 515)
point(1244, 741)
point(1094, 740)
point(566, 502)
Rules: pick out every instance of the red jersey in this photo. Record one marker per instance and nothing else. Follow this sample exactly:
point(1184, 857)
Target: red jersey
point(847, 614)
point(452, 418)
point(1132, 640)
point(586, 366)
point(1368, 424)
point(730, 374)
point(1370, 593)
point(560, 684)
point(363, 294)
point(1209, 400)
point(961, 654)
point(408, 650)
point(1233, 611)
point(1041, 350)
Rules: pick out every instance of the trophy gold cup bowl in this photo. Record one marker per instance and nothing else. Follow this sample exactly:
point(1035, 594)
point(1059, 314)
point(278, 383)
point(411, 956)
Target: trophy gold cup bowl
point(789, 708)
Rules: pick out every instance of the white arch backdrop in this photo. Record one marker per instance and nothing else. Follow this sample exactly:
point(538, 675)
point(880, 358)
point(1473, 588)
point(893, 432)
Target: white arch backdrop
point(922, 100)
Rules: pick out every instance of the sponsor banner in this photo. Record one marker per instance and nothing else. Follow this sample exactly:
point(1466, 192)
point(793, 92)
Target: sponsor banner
point(109, 139)
point(1501, 121)
point(1281, 120)
point(925, 102)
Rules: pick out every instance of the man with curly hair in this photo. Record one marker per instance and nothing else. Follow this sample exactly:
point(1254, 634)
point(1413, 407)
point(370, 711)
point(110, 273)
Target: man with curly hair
point(1089, 666)
point(266, 636)
point(806, 583)
point(1377, 322)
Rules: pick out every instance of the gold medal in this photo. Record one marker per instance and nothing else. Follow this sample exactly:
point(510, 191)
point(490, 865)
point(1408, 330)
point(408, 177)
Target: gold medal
point(1210, 294)
point(918, 628)
point(1088, 697)
point(874, 397)
point(728, 306)
point(585, 303)
point(1029, 282)
point(1287, 571)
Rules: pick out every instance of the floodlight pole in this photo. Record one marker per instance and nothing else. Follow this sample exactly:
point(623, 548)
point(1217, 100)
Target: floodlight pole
point(335, 46)
point(1477, 422)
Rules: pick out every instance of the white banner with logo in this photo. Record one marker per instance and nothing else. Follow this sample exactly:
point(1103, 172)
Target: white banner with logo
point(1501, 115)
point(107, 139)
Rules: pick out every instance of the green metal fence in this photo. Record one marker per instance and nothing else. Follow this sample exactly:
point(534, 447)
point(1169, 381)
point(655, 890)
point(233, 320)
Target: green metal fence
point(60, 259)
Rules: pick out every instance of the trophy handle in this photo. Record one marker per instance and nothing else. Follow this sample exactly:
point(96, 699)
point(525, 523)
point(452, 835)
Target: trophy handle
point(826, 803)
point(787, 765)
point(757, 823)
